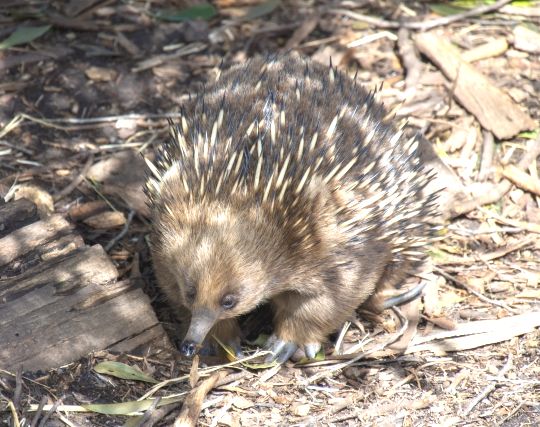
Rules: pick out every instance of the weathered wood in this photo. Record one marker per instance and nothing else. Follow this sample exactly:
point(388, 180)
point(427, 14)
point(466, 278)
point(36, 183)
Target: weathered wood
point(42, 237)
point(493, 108)
point(60, 300)
point(15, 215)
point(86, 267)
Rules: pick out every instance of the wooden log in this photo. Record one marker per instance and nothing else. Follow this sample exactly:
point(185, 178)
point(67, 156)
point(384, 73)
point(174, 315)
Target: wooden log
point(58, 312)
point(60, 299)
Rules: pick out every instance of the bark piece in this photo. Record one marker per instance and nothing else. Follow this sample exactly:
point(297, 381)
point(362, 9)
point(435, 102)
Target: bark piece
point(16, 214)
point(492, 107)
point(123, 176)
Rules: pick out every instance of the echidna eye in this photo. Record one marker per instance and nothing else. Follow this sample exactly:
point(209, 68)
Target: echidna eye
point(190, 294)
point(228, 301)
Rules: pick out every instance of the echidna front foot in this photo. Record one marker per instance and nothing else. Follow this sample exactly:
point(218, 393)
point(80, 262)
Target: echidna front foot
point(281, 350)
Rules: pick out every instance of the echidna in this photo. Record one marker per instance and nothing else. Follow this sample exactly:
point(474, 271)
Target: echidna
point(284, 181)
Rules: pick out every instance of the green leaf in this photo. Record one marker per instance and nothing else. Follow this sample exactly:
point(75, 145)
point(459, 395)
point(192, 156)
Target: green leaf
point(446, 9)
point(24, 35)
point(319, 357)
point(256, 366)
point(132, 407)
point(121, 370)
point(260, 341)
point(533, 134)
point(200, 11)
point(229, 352)
point(261, 9)
point(471, 4)
point(459, 6)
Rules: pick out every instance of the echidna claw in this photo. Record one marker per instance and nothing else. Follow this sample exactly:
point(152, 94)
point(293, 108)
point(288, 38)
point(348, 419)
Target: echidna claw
point(311, 349)
point(280, 350)
point(236, 348)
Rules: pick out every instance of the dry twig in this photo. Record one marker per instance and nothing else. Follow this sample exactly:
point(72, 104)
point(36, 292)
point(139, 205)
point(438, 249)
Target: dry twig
point(422, 25)
point(355, 358)
point(474, 292)
point(488, 389)
point(193, 403)
point(76, 181)
point(499, 190)
point(122, 233)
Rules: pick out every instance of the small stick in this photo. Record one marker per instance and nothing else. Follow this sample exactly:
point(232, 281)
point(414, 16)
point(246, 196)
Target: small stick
point(410, 59)
point(122, 233)
point(477, 294)
point(53, 409)
point(422, 25)
point(18, 387)
point(143, 421)
point(21, 149)
point(76, 181)
point(192, 405)
point(338, 367)
point(522, 179)
point(160, 413)
point(339, 342)
point(488, 389)
point(39, 411)
point(498, 191)
point(488, 150)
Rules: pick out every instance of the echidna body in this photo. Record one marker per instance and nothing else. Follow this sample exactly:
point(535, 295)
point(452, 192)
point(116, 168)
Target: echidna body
point(284, 181)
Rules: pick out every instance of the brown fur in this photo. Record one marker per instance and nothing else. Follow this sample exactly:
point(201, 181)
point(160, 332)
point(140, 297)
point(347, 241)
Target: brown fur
point(217, 234)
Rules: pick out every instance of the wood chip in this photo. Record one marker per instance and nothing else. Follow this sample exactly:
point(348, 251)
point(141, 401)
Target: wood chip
point(100, 74)
point(86, 210)
point(522, 179)
point(301, 410)
point(526, 39)
point(41, 198)
point(241, 402)
point(493, 108)
point(106, 220)
point(193, 403)
point(490, 49)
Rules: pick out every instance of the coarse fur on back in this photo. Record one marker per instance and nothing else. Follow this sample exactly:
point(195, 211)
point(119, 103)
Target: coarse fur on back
point(285, 181)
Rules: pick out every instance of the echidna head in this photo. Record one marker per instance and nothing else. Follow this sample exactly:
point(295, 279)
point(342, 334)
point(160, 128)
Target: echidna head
point(214, 266)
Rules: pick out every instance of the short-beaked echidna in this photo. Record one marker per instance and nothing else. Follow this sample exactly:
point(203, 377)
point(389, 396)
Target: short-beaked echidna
point(284, 181)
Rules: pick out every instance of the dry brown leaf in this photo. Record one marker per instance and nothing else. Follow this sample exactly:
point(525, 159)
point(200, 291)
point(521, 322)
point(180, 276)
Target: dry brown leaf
point(106, 220)
point(301, 410)
point(526, 39)
point(241, 402)
point(100, 74)
point(41, 198)
point(529, 293)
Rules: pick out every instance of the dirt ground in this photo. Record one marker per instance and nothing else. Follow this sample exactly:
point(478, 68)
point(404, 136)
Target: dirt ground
point(102, 80)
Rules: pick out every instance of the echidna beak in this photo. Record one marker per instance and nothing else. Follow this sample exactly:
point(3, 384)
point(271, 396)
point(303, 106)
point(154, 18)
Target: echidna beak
point(202, 320)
